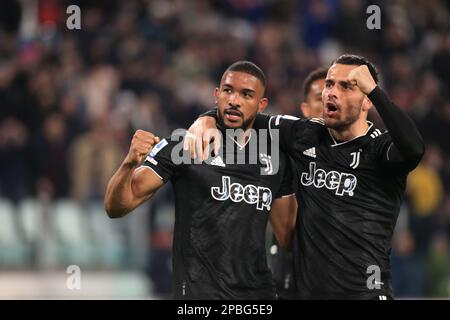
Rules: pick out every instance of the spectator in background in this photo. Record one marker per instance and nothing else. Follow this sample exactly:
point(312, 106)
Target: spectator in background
point(425, 192)
point(15, 179)
point(441, 59)
point(425, 187)
point(50, 156)
point(317, 19)
point(74, 115)
point(94, 156)
point(407, 266)
point(438, 266)
point(148, 115)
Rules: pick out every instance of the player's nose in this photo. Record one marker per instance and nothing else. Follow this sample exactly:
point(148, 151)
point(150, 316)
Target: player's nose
point(330, 92)
point(234, 101)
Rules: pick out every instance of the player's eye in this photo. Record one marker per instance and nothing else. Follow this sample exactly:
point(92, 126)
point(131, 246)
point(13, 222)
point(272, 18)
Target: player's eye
point(227, 90)
point(247, 95)
point(328, 84)
point(347, 86)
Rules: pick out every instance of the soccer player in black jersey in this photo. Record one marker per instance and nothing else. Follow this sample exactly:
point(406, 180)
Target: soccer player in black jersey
point(221, 208)
point(281, 262)
point(352, 178)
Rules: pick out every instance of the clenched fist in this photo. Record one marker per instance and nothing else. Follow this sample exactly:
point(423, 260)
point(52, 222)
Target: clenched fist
point(141, 144)
point(362, 78)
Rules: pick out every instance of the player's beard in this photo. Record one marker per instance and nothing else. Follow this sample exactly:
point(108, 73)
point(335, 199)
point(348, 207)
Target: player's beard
point(345, 123)
point(246, 124)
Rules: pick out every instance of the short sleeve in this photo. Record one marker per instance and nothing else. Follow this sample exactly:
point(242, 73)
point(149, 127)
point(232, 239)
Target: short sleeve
point(165, 159)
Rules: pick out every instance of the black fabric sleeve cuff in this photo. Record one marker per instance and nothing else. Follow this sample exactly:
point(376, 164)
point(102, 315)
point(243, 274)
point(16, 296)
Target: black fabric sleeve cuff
point(378, 97)
point(210, 113)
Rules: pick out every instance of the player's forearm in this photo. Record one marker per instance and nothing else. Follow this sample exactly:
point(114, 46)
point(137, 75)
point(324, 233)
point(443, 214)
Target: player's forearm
point(403, 131)
point(119, 197)
point(282, 219)
point(283, 233)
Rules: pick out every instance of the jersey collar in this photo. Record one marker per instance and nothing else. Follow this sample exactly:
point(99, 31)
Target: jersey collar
point(335, 143)
point(241, 146)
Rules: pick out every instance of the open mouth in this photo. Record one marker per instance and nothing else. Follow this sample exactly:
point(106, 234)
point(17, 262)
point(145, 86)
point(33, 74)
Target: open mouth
point(233, 115)
point(330, 108)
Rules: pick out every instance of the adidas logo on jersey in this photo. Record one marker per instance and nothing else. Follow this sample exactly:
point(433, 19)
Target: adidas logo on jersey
point(217, 162)
point(376, 133)
point(311, 152)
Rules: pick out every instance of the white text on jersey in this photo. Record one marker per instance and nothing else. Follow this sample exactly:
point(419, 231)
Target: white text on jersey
point(251, 194)
point(343, 183)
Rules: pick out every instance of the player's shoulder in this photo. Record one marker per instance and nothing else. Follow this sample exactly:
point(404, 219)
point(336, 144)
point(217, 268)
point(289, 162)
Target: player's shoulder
point(379, 139)
point(177, 136)
point(281, 119)
point(293, 120)
point(316, 121)
point(378, 135)
point(169, 142)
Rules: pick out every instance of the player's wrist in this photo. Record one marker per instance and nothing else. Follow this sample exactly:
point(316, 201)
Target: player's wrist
point(371, 89)
point(376, 95)
point(130, 163)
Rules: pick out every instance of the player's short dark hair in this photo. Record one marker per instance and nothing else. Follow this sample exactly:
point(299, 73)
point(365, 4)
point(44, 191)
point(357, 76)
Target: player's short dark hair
point(355, 60)
point(316, 74)
point(250, 68)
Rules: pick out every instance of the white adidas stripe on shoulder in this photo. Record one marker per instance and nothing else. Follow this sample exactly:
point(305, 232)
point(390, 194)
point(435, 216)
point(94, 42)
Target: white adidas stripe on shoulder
point(377, 133)
point(286, 117)
point(317, 120)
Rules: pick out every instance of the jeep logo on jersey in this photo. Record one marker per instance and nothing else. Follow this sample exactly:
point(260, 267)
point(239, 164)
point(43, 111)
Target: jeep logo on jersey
point(251, 194)
point(343, 183)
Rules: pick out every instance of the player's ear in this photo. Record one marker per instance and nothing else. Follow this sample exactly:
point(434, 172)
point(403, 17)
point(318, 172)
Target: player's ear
point(263, 103)
point(304, 109)
point(216, 94)
point(367, 104)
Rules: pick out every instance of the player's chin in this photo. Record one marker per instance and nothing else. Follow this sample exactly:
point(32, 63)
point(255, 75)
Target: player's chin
point(331, 123)
point(232, 124)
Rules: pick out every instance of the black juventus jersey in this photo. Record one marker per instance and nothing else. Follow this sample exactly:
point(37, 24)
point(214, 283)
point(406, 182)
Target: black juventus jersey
point(349, 195)
point(221, 214)
point(349, 198)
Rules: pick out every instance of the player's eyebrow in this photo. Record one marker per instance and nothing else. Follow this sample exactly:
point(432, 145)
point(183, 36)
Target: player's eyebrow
point(346, 83)
point(247, 90)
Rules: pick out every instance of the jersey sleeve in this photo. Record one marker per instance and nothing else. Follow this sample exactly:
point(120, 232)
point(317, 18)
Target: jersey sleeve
point(388, 154)
point(404, 142)
point(165, 159)
point(287, 183)
point(286, 129)
point(210, 113)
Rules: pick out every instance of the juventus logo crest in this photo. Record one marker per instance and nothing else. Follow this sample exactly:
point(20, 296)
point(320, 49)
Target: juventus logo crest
point(355, 159)
point(267, 162)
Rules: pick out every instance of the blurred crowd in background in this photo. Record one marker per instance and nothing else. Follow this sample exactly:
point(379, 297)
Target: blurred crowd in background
point(70, 101)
